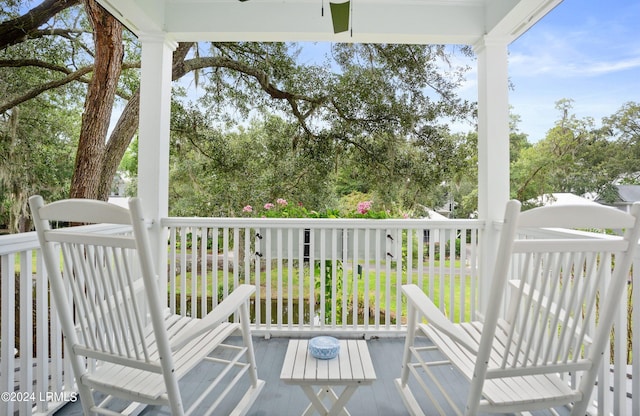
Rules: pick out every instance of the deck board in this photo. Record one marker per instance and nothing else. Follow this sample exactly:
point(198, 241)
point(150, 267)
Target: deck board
point(277, 398)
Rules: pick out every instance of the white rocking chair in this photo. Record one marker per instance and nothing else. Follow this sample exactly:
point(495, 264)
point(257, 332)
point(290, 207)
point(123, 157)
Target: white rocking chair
point(120, 339)
point(551, 307)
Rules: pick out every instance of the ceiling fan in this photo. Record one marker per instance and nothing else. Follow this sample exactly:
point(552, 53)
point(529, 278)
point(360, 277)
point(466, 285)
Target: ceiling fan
point(340, 14)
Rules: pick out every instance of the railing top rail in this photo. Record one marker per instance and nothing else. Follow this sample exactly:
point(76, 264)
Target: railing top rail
point(15, 243)
point(320, 223)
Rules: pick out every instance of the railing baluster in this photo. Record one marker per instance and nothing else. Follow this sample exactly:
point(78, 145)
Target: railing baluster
point(235, 260)
point(312, 276)
point(409, 256)
point(42, 334)
point(279, 275)
point(398, 255)
point(194, 272)
point(247, 255)
point(323, 279)
point(172, 269)
point(183, 271)
point(225, 262)
point(345, 277)
point(267, 255)
point(473, 276)
point(442, 252)
point(7, 341)
point(354, 274)
point(56, 350)
point(463, 273)
point(204, 296)
point(26, 326)
point(215, 272)
point(387, 297)
point(301, 245)
point(365, 277)
point(420, 256)
point(452, 274)
point(258, 249)
point(620, 364)
point(432, 261)
point(290, 272)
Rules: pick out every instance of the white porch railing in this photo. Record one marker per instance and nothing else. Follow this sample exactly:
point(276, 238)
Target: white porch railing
point(33, 373)
point(314, 276)
point(323, 275)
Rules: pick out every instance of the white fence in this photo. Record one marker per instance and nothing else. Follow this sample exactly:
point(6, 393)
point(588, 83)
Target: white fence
point(313, 275)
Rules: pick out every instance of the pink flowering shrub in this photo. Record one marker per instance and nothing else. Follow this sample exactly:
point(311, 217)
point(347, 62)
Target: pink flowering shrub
point(282, 209)
point(364, 207)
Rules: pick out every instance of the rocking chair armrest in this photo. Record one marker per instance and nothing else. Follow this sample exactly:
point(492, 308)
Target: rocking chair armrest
point(426, 308)
point(219, 314)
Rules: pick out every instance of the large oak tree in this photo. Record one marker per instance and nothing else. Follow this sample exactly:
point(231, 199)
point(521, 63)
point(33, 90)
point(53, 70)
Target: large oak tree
point(368, 97)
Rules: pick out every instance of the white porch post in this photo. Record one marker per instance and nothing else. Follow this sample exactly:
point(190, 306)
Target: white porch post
point(153, 141)
point(493, 149)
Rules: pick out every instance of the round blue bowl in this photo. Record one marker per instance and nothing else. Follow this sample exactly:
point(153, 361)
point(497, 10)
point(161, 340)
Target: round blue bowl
point(324, 348)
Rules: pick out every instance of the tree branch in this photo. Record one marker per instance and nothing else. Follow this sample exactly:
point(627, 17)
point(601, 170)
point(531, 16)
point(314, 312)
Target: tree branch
point(78, 75)
point(21, 28)
point(34, 92)
point(19, 63)
point(260, 76)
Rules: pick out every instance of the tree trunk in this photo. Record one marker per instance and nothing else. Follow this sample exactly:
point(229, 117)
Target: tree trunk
point(118, 143)
point(107, 34)
point(127, 126)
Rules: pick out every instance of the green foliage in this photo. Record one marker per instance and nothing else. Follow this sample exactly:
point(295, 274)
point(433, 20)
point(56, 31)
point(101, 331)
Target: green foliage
point(354, 205)
point(367, 119)
point(324, 284)
point(371, 118)
point(36, 140)
point(577, 157)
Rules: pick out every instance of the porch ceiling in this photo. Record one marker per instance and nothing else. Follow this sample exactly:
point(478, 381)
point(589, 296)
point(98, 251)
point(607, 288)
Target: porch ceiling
point(389, 21)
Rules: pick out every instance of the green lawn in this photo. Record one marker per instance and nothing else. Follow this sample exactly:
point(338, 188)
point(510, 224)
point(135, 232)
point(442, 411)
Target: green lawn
point(386, 280)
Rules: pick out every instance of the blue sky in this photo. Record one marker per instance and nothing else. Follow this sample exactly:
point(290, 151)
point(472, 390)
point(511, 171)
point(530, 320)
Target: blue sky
point(584, 50)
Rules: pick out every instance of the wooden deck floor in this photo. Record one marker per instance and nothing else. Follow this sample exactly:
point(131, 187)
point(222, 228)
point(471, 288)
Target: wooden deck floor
point(278, 399)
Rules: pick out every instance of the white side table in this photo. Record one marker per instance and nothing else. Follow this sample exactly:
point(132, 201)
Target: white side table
point(352, 368)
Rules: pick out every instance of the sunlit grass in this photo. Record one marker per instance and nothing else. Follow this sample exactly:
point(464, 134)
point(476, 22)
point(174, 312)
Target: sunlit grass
point(438, 287)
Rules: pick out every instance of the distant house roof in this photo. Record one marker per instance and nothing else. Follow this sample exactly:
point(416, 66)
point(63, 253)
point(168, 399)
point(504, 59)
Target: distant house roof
point(432, 214)
point(628, 193)
point(624, 195)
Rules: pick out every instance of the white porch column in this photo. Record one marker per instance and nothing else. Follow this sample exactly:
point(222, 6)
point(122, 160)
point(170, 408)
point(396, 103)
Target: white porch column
point(493, 149)
point(153, 140)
